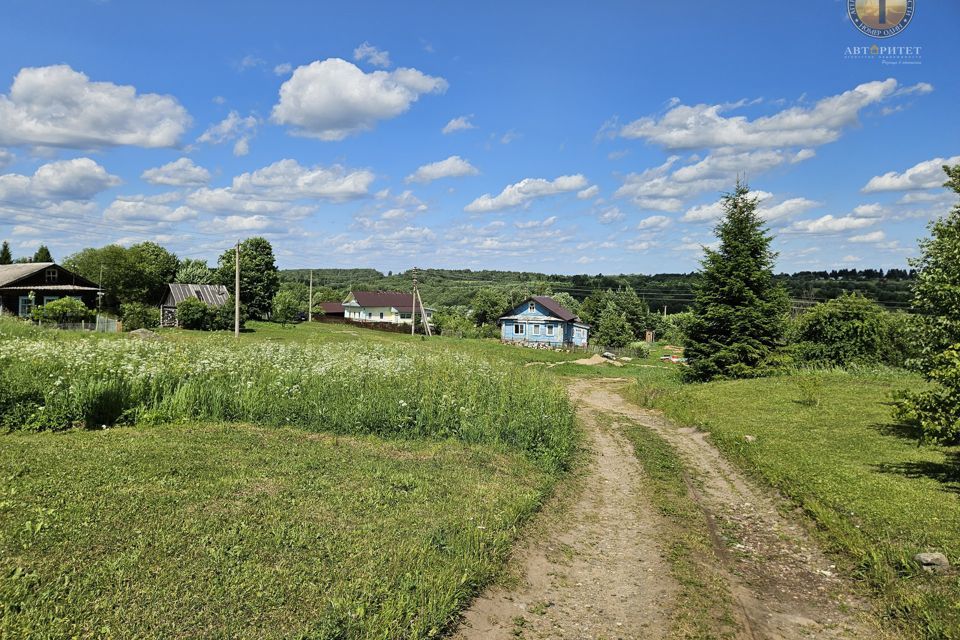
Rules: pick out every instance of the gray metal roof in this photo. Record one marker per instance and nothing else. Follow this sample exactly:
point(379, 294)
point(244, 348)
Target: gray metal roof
point(214, 295)
point(13, 272)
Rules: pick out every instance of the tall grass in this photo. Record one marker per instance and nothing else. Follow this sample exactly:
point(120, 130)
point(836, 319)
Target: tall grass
point(387, 390)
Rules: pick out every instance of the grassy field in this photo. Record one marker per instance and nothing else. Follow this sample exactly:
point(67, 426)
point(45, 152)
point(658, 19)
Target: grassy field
point(825, 439)
point(311, 481)
point(240, 531)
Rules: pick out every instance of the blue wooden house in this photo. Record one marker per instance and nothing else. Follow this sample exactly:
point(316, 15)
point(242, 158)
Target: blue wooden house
point(542, 320)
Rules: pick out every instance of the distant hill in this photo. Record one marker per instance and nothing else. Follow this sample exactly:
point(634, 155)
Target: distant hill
point(451, 287)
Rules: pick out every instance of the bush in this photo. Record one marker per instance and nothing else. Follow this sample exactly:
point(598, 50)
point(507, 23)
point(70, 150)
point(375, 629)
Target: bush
point(63, 311)
point(193, 314)
point(849, 330)
point(136, 315)
point(675, 327)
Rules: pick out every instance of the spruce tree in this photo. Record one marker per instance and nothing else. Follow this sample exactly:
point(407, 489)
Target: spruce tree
point(42, 254)
point(5, 256)
point(613, 330)
point(739, 312)
point(936, 409)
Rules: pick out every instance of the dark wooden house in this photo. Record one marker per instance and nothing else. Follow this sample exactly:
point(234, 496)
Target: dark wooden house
point(29, 284)
point(214, 295)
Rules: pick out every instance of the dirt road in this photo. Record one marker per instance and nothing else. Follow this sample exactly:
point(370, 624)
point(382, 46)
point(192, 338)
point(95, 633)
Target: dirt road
point(600, 570)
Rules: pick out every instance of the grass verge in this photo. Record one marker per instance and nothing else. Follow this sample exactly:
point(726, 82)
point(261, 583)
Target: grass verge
point(239, 531)
point(825, 439)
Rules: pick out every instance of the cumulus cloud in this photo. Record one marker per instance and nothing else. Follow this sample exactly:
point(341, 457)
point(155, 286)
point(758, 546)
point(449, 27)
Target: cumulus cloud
point(831, 224)
point(452, 167)
point(664, 188)
point(873, 236)
point(524, 191)
point(705, 126)
point(536, 224)
point(460, 123)
point(786, 209)
point(366, 52)
point(59, 107)
point(272, 189)
point(714, 210)
point(588, 193)
point(232, 128)
point(611, 215)
point(79, 179)
point(332, 99)
point(923, 175)
point(653, 223)
point(139, 210)
point(283, 69)
point(179, 173)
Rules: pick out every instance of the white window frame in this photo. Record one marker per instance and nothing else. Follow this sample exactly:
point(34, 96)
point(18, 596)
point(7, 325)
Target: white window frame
point(517, 329)
point(21, 305)
point(551, 330)
point(532, 306)
point(536, 329)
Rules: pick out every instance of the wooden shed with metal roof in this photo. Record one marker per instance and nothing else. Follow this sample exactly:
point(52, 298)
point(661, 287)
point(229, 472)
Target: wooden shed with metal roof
point(214, 295)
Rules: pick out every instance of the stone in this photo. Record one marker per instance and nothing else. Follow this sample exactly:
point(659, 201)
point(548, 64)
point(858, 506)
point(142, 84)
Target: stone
point(145, 334)
point(749, 438)
point(932, 561)
point(609, 356)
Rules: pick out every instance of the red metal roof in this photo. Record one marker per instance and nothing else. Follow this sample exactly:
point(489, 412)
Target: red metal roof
point(555, 308)
point(399, 300)
point(332, 308)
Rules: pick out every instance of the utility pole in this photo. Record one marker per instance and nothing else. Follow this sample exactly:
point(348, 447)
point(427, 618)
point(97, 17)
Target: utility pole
point(310, 303)
point(413, 305)
point(236, 293)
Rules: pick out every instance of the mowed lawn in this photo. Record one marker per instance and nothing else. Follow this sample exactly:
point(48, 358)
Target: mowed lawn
point(828, 442)
point(238, 531)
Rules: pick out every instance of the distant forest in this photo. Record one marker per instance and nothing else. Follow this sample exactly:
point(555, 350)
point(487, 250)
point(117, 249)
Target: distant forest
point(451, 288)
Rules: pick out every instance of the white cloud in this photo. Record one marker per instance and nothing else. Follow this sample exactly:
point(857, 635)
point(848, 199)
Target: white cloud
point(250, 61)
point(536, 224)
point(233, 127)
point(611, 215)
point(704, 212)
point(283, 69)
point(272, 189)
point(238, 223)
point(923, 175)
point(830, 224)
point(524, 191)
point(509, 137)
point(704, 126)
point(786, 209)
point(663, 188)
point(850, 258)
point(332, 99)
point(654, 223)
point(369, 53)
point(452, 167)
point(873, 236)
point(179, 173)
point(57, 106)
point(588, 193)
point(79, 179)
point(460, 123)
point(641, 245)
point(135, 210)
point(873, 210)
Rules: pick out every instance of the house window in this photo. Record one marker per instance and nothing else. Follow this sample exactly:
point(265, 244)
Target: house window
point(532, 306)
point(550, 328)
point(50, 275)
point(517, 329)
point(369, 315)
point(49, 299)
point(536, 329)
point(404, 316)
point(381, 315)
point(25, 306)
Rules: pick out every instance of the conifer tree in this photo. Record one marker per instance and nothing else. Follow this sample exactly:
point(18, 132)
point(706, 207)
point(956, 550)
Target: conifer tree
point(936, 410)
point(613, 329)
point(739, 313)
point(5, 256)
point(42, 254)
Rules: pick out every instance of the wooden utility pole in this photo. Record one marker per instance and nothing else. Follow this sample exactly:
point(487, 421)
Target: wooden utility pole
point(236, 293)
point(413, 305)
point(310, 303)
point(423, 315)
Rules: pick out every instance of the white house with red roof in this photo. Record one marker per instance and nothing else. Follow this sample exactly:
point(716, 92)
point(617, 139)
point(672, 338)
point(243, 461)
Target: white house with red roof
point(394, 307)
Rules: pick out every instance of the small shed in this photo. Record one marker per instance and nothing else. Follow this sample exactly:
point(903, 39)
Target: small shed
point(332, 310)
point(214, 295)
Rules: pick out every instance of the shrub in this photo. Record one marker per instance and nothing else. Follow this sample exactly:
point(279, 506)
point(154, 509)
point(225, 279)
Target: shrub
point(136, 315)
point(193, 314)
point(676, 327)
point(848, 330)
point(614, 330)
point(63, 310)
point(286, 307)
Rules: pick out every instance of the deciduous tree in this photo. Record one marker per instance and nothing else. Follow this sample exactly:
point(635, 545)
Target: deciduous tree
point(259, 278)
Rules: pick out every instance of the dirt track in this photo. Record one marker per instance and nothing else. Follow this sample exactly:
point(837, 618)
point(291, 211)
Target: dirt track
point(600, 572)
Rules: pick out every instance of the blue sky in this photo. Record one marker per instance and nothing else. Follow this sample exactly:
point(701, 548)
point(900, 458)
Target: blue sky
point(556, 137)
